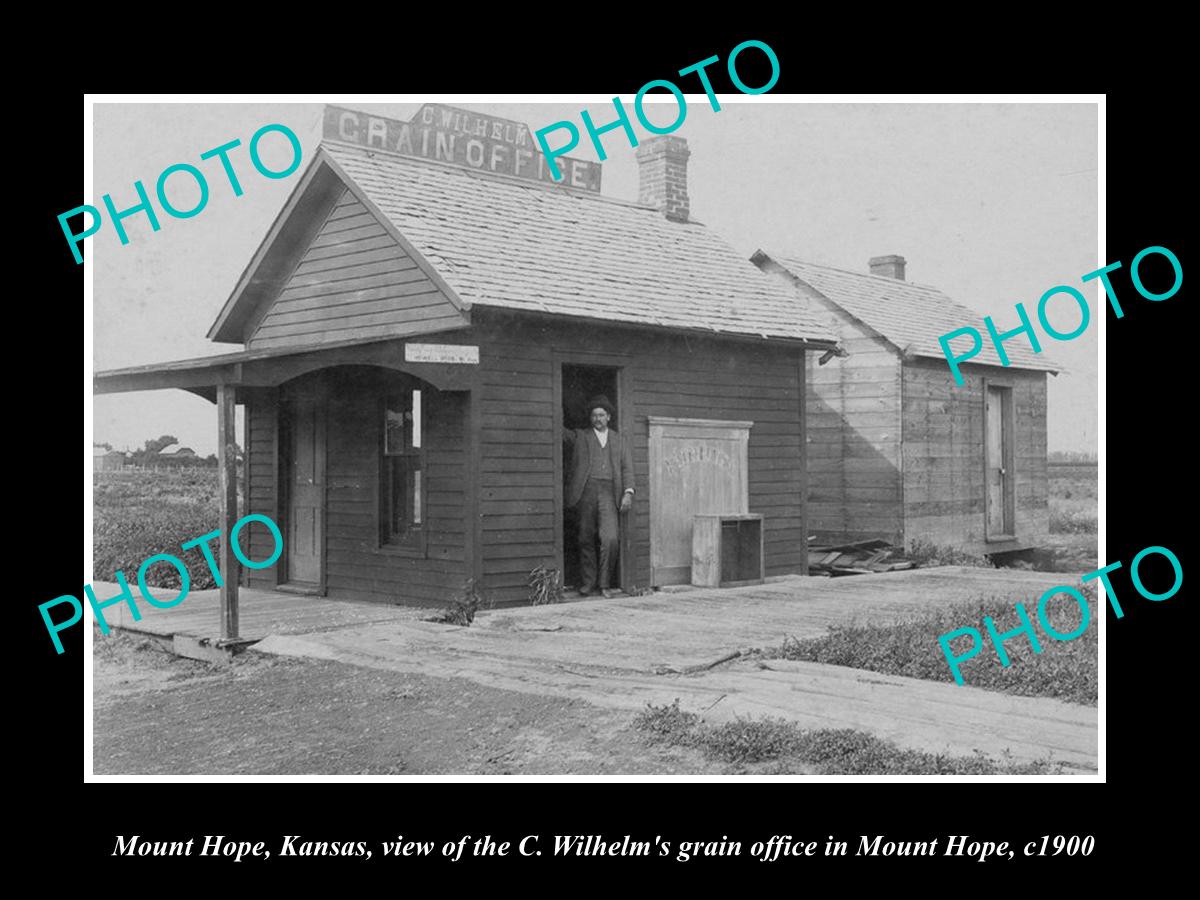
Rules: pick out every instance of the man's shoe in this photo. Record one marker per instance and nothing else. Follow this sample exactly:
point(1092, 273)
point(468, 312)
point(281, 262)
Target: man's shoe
point(586, 591)
point(607, 593)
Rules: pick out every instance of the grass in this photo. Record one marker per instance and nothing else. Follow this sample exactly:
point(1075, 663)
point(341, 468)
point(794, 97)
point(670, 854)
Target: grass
point(1065, 670)
point(924, 553)
point(790, 749)
point(1073, 499)
point(1070, 521)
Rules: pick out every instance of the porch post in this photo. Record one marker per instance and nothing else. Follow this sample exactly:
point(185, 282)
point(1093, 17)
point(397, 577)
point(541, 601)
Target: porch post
point(227, 464)
point(802, 460)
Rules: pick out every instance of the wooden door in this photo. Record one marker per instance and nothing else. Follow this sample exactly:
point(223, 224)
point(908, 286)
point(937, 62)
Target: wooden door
point(306, 490)
point(998, 494)
point(697, 467)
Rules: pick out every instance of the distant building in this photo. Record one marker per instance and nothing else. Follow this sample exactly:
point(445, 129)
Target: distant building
point(176, 451)
point(104, 460)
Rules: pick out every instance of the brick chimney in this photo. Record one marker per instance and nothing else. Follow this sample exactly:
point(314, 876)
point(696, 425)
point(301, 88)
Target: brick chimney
point(890, 266)
point(662, 176)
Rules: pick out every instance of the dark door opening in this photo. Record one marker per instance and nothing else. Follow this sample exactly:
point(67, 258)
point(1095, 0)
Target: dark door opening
point(579, 385)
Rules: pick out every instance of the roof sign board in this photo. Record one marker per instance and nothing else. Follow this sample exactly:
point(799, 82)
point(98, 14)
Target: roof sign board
point(462, 137)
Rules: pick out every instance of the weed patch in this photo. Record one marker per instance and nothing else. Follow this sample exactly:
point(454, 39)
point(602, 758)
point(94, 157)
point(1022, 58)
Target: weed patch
point(1065, 670)
point(1072, 521)
point(545, 586)
point(926, 554)
point(786, 748)
point(463, 605)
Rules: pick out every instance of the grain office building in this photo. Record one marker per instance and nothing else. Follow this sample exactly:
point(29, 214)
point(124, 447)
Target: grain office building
point(896, 450)
point(429, 310)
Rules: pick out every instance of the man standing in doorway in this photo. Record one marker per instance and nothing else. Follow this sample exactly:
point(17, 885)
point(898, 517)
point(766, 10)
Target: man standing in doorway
point(600, 483)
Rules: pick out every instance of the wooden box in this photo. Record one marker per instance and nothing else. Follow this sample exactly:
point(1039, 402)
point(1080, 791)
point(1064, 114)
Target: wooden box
point(727, 550)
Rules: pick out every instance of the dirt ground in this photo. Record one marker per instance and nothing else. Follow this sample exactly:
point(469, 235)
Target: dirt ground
point(157, 714)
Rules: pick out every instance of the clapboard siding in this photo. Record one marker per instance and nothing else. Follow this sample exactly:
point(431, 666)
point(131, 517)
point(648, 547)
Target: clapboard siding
point(353, 281)
point(507, 458)
point(262, 482)
point(518, 516)
point(666, 376)
point(853, 402)
point(944, 477)
point(356, 565)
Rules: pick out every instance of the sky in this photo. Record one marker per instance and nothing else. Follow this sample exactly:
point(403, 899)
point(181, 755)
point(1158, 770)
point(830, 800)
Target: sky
point(993, 204)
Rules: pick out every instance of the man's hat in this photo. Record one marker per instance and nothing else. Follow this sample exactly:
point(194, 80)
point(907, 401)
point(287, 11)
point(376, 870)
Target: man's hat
point(600, 401)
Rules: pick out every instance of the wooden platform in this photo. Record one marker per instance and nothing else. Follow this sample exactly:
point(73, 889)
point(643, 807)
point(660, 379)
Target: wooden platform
point(684, 625)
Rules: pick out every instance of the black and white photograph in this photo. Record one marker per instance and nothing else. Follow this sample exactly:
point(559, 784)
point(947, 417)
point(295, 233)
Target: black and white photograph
point(761, 447)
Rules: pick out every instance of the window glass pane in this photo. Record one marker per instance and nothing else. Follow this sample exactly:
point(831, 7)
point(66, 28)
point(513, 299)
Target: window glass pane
point(393, 438)
point(416, 497)
point(416, 419)
point(399, 491)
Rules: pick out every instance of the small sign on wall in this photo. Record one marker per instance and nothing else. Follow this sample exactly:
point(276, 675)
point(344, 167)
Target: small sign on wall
point(462, 354)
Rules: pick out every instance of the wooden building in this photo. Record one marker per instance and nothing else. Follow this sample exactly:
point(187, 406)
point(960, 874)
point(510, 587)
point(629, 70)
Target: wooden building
point(104, 460)
point(895, 449)
point(428, 312)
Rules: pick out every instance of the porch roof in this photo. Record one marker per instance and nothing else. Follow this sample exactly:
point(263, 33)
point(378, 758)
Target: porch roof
point(257, 368)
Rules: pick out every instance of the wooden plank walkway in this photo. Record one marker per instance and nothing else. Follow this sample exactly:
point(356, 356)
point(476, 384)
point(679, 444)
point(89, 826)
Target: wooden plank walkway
point(622, 652)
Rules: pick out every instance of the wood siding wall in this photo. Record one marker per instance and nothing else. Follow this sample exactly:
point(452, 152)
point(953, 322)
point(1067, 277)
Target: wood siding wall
point(261, 491)
point(353, 281)
point(356, 567)
point(854, 436)
point(944, 460)
point(510, 464)
point(666, 375)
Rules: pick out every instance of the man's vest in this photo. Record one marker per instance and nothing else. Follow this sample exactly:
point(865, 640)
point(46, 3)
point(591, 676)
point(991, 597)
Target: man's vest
point(601, 463)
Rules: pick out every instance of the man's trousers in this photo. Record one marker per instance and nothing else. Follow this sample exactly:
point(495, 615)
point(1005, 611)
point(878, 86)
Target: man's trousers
point(597, 512)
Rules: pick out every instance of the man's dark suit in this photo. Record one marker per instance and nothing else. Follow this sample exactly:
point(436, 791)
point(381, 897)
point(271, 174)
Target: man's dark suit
point(597, 511)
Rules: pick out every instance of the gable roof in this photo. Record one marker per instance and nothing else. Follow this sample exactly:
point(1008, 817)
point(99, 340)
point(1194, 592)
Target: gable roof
point(911, 317)
point(499, 242)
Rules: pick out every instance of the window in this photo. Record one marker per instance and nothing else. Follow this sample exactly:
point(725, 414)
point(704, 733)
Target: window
point(402, 512)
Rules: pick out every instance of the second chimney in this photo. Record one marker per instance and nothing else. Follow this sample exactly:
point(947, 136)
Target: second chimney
point(662, 176)
point(891, 266)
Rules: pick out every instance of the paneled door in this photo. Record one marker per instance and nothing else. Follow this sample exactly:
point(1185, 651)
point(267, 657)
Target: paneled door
point(306, 489)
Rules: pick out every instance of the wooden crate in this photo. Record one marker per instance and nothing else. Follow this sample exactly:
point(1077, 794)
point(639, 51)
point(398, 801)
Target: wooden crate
point(727, 550)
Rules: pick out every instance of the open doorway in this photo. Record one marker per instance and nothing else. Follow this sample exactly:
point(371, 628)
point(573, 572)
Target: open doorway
point(579, 385)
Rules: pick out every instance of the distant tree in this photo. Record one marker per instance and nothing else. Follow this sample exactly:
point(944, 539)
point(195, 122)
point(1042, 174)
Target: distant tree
point(158, 443)
point(148, 455)
point(105, 447)
point(213, 460)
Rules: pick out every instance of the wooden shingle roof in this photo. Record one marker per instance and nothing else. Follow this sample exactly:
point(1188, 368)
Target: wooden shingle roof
point(522, 246)
point(911, 316)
